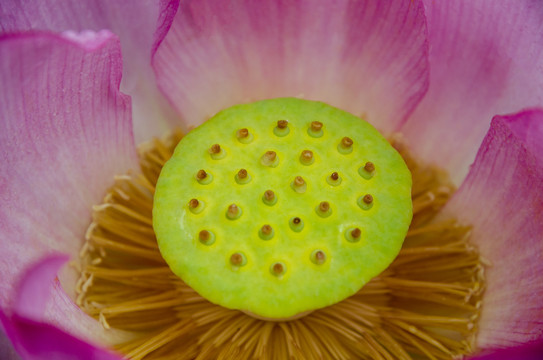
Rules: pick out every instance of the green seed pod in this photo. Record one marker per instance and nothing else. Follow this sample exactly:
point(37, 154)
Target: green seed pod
point(229, 238)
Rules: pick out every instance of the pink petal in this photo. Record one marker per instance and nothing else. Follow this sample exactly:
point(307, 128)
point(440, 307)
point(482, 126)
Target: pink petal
point(366, 57)
point(34, 339)
point(502, 198)
point(486, 58)
point(134, 22)
point(65, 131)
point(531, 351)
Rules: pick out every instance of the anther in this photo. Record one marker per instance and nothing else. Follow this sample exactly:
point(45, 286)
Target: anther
point(242, 177)
point(318, 257)
point(333, 179)
point(282, 128)
point(315, 129)
point(233, 212)
point(299, 185)
point(367, 171)
point(296, 224)
point(203, 177)
point(278, 269)
point(266, 232)
point(345, 146)
point(323, 209)
point(244, 136)
point(269, 159)
point(238, 259)
point(353, 235)
point(306, 158)
point(269, 198)
point(206, 237)
point(217, 152)
point(196, 206)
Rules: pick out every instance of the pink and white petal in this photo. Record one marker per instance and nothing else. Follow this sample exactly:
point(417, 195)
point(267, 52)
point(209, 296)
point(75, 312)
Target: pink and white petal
point(486, 58)
point(65, 131)
point(502, 199)
point(367, 57)
point(135, 22)
point(532, 351)
point(26, 326)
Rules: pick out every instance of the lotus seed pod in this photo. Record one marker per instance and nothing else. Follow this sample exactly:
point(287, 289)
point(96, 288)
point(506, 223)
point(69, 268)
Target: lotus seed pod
point(300, 235)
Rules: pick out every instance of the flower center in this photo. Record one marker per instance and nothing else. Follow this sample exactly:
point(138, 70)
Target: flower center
point(314, 159)
point(424, 305)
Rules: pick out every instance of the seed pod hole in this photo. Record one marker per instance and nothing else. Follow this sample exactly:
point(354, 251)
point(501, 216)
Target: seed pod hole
point(315, 129)
point(353, 234)
point(282, 128)
point(323, 209)
point(244, 136)
point(266, 232)
point(318, 257)
point(367, 171)
point(296, 224)
point(196, 206)
point(299, 185)
point(333, 179)
point(365, 202)
point(203, 177)
point(307, 158)
point(269, 198)
point(270, 159)
point(278, 269)
point(243, 177)
point(233, 212)
point(206, 237)
point(345, 146)
point(217, 152)
point(238, 260)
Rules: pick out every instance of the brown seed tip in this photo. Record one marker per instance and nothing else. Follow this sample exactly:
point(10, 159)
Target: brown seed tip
point(369, 167)
point(299, 181)
point(193, 203)
point(324, 206)
point(266, 230)
point(236, 259)
point(320, 257)
point(278, 268)
point(269, 195)
point(307, 155)
point(204, 236)
point(242, 174)
point(201, 175)
point(296, 220)
point(346, 142)
point(334, 176)
point(270, 155)
point(215, 149)
point(233, 210)
point(281, 124)
point(368, 199)
point(243, 133)
point(355, 233)
point(316, 126)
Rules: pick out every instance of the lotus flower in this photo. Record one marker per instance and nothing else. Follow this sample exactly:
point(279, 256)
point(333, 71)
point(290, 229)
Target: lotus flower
point(436, 71)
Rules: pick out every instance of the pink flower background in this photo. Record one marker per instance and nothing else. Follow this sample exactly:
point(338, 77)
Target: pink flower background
point(84, 81)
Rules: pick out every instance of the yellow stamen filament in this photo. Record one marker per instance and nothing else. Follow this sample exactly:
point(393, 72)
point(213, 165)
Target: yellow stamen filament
point(125, 284)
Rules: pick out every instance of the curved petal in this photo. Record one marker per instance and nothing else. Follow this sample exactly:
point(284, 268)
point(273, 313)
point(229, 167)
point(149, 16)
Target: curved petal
point(486, 58)
point(135, 22)
point(65, 131)
point(502, 198)
point(530, 351)
point(7, 352)
point(366, 57)
point(34, 339)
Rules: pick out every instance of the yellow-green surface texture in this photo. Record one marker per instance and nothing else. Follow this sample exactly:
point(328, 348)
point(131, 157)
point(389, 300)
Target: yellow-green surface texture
point(304, 284)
